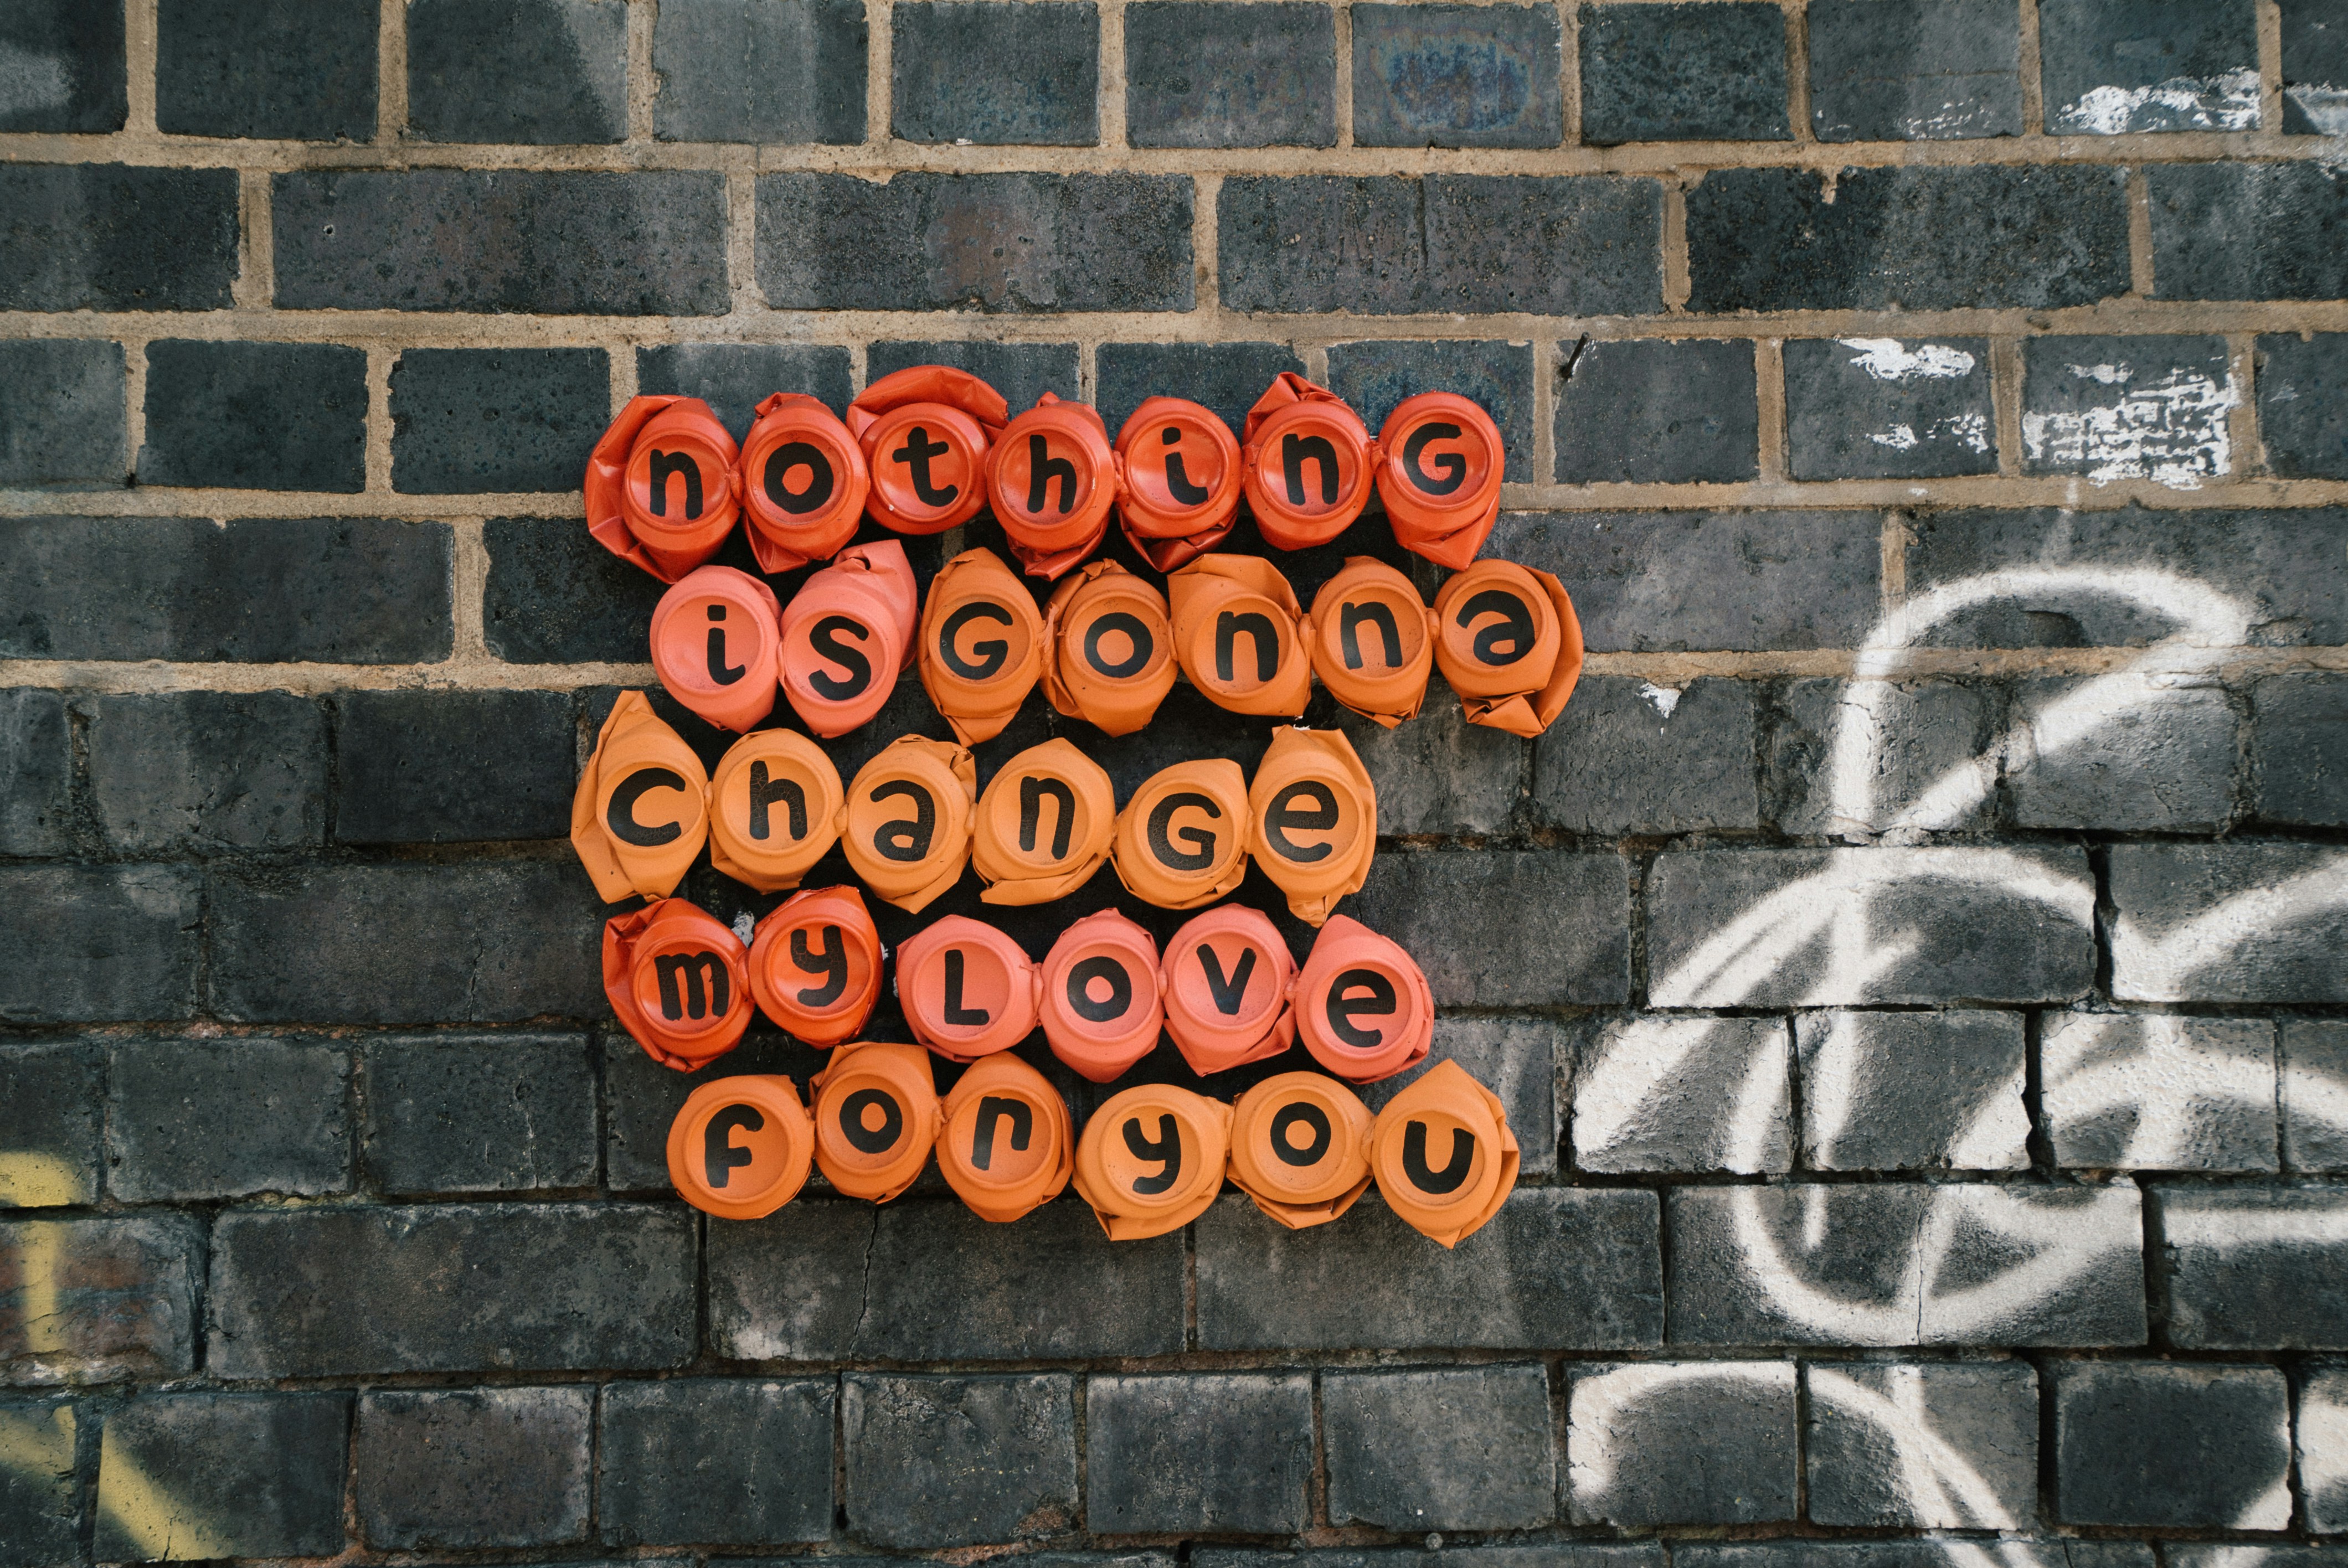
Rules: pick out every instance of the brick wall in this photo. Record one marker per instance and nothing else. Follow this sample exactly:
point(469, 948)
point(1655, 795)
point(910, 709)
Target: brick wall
point(1912, 965)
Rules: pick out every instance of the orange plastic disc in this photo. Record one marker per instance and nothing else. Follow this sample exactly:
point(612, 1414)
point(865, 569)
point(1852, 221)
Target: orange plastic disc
point(909, 820)
point(660, 484)
point(1181, 480)
point(981, 645)
point(1312, 819)
point(1443, 1154)
point(1152, 1160)
point(714, 640)
point(1308, 462)
point(968, 990)
point(1441, 477)
point(1044, 825)
point(803, 483)
point(815, 965)
point(1101, 1011)
point(1051, 478)
point(1182, 839)
point(876, 1119)
point(1362, 1006)
point(1008, 1144)
point(641, 811)
point(1239, 634)
point(925, 431)
point(774, 809)
point(740, 1147)
point(847, 634)
point(1301, 1148)
point(1508, 642)
point(1111, 649)
point(679, 980)
point(1225, 981)
point(1372, 641)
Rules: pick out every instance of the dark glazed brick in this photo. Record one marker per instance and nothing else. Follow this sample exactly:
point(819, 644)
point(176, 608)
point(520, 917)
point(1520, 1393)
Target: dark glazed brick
point(1966, 937)
point(1901, 1263)
point(1676, 411)
point(755, 70)
point(40, 1492)
point(2063, 1553)
point(996, 72)
point(1518, 1058)
point(300, 70)
point(1879, 408)
point(50, 1113)
point(1214, 1454)
point(200, 1119)
point(1908, 1092)
point(2299, 749)
point(1230, 75)
point(1687, 1094)
point(1438, 772)
point(2315, 68)
point(485, 942)
point(2158, 754)
point(1742, 582)
point(99, 1300)
point(2127, 407)
point(2110, 67)
point(464, 420)
point(472, 1467)
point(1987, 1412)
point(1913, 734)
point(1683, 1442)
point(98, 943)
point(74, 66)
point(719, 1462)
point(567, 243)
point(1377, 377)
point(1227, 377)
point(1630, 757)
point(1507, 929)
point(332, 591)
point(1711, 72)
point(2286, 951)
point(332, 1292)
point(1542, 1554)
point(1557, 1268)
point(203, 771)
point(62, 412)
point(2315, 1073)
point(2322, 1395)
point(1022, 372)
point(1457, 76)
point(36, 773)
point(1016, 242)
point(222, 1475)
point(2248, 231)
point(518, 70)
point(256, 416)
point(2301, 420)
point(1921, 73)
point(2142, 1443)
point(1911, 238)
point(951, 1461)
point(555, 595)
point(1463, 1448)
point(107, 237)
point(1444, 242)
point(446, 767)
point(734, 378)
point(791, 1287)
point(2260, 1268)
point(480, 1115)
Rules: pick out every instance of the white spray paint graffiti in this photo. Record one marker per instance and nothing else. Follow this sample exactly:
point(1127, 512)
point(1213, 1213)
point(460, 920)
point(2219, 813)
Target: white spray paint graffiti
point(2227, 101)
point(2171, 430)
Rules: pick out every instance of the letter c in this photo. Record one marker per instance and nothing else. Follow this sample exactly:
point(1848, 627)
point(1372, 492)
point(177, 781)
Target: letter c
point(619, 816)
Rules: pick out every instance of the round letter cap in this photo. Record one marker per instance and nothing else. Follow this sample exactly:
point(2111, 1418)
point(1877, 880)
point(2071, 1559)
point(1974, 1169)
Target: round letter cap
point(1226, 981)
point(774, 809)
point(1308, 462)
point(803, 483)
point(714, 641)
point(1443, 1154)
point(815, 965)
point(1362, 1006)
point(1044, 825)
point(1239, 634)
point(1441, 476)
point(909, 820)
point(1181, 480)
point(1051, 478)
point(1111, 646)
point(846, 634)
point(1508, 642)
point(1152, 1159)
point(640, 813)
point(679, 980)
point(1101, 1010)
point(1008, 1144)
point(660, 484)
point(925, 433)
point(1312, 819)
point(740, 1147)
point(876, 1119)
point(968, 990)
point(1301, 1148)
point(981, 645)
point(1372, 641)
point(1182, 839)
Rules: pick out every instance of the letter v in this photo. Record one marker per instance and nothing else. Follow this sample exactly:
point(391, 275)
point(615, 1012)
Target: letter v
point(1228, 991)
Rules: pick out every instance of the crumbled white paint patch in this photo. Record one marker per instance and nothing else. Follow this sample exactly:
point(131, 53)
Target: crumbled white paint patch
point(1899, 438)
point(30, 81)
point(1664, 698)
point(2228, 101)
point(2171, 431)
point(1967, 430)
point(2325, 106)
point(745, 926)
point(1887, 359)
